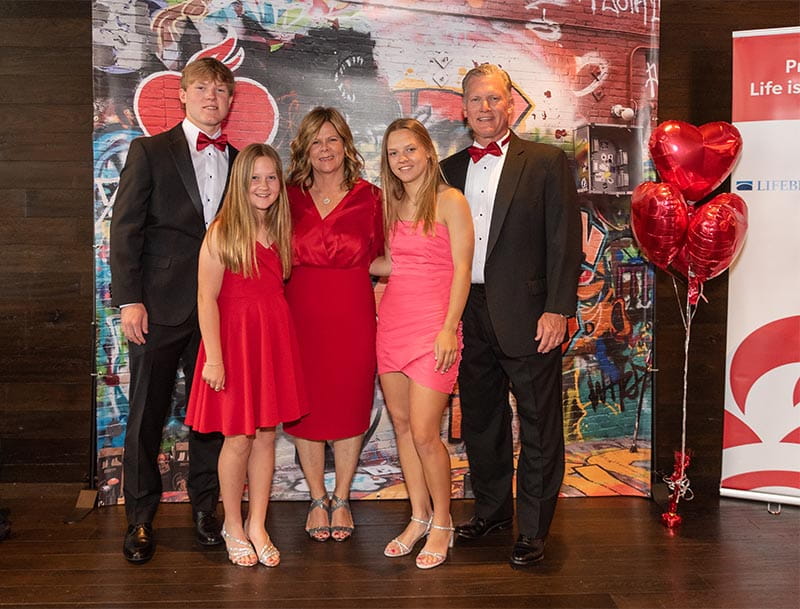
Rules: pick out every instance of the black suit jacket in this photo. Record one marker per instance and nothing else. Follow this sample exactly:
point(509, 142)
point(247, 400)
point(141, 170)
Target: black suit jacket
point(157, 228)
point(534, 252)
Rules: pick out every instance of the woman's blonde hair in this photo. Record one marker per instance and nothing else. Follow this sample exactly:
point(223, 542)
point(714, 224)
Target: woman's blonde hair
point(300, 171)
point(393, 190)
point(236, 226)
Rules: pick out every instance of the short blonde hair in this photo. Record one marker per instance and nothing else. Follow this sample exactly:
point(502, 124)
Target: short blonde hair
point(207, 68)
point(300, 171)
point(486, 69)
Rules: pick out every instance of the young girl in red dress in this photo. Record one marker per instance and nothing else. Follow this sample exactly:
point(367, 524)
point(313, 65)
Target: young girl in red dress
point(248, 359)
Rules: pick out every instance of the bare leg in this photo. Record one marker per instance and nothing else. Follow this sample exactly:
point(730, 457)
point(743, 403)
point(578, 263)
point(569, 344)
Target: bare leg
point(312, 460)
point(426, 407)
point(346, 453)
point(396, 387)
point(232, 469)
point(260, 469)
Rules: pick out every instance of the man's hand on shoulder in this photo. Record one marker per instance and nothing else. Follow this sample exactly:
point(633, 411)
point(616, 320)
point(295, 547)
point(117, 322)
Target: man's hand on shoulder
point(133, 318)
point(550, 331)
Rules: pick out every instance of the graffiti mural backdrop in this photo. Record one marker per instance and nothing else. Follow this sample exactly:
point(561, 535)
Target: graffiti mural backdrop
point(585, 78)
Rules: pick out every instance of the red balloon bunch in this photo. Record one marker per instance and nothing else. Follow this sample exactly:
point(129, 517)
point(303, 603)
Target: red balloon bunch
point(700, 242)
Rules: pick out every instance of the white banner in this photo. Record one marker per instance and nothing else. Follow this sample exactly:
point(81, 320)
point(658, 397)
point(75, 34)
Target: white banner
point(761, 439)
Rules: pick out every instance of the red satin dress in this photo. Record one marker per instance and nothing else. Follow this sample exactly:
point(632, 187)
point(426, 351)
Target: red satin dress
point(263, 380)
point(331, 298)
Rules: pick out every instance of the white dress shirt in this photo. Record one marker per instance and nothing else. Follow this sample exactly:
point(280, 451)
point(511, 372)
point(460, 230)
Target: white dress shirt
point(210, 168)
point(480, 189)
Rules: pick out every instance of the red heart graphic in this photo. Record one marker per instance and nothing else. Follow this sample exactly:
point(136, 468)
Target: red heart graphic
point(252, 117)
point(696, 160)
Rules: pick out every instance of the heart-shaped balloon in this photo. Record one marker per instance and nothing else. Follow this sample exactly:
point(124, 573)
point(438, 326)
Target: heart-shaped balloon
point(659, 218)
point(695, 159)
point(713, 240)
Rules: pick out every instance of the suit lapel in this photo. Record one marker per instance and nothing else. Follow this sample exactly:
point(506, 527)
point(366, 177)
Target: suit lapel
point(458, 172)
point(183, 162)
point(232, 152)
point(509, 177)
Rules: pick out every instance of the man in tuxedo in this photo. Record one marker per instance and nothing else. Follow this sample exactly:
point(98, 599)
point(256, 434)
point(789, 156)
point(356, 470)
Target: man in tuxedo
point(169, 191)
point(524, 286)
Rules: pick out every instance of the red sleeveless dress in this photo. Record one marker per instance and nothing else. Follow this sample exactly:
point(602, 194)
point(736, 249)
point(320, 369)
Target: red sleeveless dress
point(263, 377)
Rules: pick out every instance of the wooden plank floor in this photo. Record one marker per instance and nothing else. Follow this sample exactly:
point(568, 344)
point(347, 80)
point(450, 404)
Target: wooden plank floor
point(603, 552)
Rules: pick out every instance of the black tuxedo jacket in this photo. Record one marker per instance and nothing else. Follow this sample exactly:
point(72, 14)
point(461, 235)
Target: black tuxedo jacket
point(534, 252)
point(157, 228)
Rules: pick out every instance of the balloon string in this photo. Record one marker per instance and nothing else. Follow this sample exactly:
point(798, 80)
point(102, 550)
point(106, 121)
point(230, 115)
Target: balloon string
point(682, 482)
point(678, 298)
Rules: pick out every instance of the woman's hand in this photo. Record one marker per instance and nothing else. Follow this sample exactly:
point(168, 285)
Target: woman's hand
point(445, 350)
point(214, 375)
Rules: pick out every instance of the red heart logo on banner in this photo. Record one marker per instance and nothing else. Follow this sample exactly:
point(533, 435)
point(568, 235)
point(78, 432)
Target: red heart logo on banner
point(659, 217)
point(695, 159)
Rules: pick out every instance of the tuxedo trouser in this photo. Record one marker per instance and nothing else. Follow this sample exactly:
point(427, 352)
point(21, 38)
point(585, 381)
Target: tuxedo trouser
point(153, 367)
point(486, 424)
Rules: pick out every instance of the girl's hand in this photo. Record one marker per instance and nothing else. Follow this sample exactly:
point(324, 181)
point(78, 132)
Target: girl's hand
point(214, 375)
point(445, 350)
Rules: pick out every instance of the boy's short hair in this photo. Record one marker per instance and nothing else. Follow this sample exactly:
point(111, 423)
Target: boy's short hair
point(207, 68)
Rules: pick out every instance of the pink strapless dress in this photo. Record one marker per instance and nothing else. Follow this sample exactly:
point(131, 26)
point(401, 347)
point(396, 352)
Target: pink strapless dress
point(414, 306)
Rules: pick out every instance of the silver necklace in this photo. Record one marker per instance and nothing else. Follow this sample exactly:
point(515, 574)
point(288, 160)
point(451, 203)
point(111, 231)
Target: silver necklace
point(326, 201)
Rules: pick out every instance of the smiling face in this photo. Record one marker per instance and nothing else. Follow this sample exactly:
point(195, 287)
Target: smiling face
point(407, 157)
point(207, 103)
point(326, 151)
point(265, 185)
point(487, 107)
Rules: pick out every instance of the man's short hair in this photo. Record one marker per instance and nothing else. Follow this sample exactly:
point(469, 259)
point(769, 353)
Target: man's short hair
point(487, 69)
point(207, 68)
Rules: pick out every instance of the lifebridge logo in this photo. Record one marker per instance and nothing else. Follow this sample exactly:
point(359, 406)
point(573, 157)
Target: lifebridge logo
point(776, 185)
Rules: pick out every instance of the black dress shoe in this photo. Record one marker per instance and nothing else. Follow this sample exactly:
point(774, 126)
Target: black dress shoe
point(478, 527)
point(208, 529)
point(140, 544)
point(527, 551)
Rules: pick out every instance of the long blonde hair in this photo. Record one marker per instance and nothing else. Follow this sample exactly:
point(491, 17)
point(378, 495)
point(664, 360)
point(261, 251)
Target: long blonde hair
point(300, 171)
point(393, 189)
point(235, 229)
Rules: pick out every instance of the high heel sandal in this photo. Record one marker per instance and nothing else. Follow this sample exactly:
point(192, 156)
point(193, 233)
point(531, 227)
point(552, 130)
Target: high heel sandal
point(323, 533)
point(440, 558)
point(336, 503)
point(240, 551)
point(267, 551)
point(404, 549)
point(266, 554)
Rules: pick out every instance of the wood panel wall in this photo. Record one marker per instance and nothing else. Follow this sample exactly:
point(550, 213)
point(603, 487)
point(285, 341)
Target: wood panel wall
point(46, 259)
point(46, 236)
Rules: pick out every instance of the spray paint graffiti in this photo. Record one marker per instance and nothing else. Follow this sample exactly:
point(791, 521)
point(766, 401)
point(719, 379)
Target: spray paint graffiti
point(377, 63)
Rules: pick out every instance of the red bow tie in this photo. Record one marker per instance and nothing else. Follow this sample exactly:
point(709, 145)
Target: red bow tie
point(476, 154)
point(204, 141)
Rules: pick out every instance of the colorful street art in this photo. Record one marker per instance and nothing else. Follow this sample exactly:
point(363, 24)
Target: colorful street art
point(585, 79)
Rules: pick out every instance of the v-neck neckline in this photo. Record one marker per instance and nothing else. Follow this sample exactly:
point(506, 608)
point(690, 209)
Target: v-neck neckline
point(333, 209)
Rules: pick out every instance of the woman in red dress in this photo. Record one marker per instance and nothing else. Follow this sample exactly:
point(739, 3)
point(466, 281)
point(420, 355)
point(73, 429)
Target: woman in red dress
point(337, 228)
